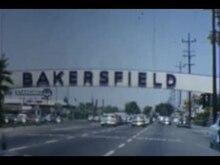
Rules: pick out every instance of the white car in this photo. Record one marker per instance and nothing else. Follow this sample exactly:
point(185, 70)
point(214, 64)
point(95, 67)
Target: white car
point(214, 131)
point(22, 118)
point(90, 118)
point(110, 119)
point(139, 120)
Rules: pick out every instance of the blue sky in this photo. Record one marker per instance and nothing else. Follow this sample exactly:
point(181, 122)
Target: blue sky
point(110, 39)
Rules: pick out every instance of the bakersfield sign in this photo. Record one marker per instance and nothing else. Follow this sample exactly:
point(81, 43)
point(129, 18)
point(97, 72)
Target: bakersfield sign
point(111, 78)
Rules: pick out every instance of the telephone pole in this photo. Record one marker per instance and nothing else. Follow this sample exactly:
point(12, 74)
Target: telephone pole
point(214, 100)
point(189, 56)
point(2, 26)
point(180, 67)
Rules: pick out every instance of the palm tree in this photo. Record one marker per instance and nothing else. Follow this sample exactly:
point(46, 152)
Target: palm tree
point(5, 80)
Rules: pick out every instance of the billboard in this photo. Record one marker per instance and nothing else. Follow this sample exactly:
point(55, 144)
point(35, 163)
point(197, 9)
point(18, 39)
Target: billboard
point(112, 78)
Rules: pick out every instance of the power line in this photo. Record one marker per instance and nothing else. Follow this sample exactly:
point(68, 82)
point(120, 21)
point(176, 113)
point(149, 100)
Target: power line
point(189, 55)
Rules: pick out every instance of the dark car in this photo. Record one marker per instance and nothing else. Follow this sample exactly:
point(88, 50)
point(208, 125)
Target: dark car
point(183, 122)
point(10, 118)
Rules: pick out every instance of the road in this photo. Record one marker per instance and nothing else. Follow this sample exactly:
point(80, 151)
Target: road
point(90, 139)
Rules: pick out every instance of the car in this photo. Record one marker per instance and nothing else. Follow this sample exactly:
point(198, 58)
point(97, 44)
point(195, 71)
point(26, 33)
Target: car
point(110, 119)
point(139, 120)
point(175, 120)
point(10, 118)
point(96, 118)
point(214, 134)
point(160, 119)
point(90, 118)
point(147, 120)
point(129, 119)
point(123, 118)
point(167, 120)
point(183, 122)
point(31, 118)
point(22, 118)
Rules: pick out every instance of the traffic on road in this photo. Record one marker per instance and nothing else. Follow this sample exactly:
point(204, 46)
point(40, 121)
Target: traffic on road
point(88, 82)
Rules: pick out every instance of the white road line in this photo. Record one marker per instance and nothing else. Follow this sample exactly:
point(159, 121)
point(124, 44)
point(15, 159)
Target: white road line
point(84, 135)
point(121, 145)
point(109, 153)
point(18, 148)
point(70, 137)
point(67, 128)
point(129, 140)
point(51, 141)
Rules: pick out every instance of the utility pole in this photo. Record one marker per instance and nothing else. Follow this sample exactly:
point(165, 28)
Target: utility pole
point(180, 67)
point(189, 56)
point(2, 21)
point(103, 104)
point(214, 100)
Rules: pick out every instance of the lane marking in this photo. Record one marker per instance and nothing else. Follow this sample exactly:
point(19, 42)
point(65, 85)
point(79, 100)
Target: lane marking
point(67, 128)
point(107, 137)
point(70, 137)
point(85, 134)
point(121, 145)
point(47, 135)
point(129, 140)
point(51, 141)
point(109, 153)
point(18, 148)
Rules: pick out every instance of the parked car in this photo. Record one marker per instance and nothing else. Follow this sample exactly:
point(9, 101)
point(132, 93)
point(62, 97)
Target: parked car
point(110, 119)
point(139, 120)
point(214, 134)
point(51, 118)
point(22, 118)
point(32, 118)
point(10, 118)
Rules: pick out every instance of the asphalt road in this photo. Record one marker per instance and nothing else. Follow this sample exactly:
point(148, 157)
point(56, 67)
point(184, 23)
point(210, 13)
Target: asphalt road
point(90, 139)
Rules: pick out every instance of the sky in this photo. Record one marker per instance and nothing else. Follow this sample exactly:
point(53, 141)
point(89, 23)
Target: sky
point(148, 39)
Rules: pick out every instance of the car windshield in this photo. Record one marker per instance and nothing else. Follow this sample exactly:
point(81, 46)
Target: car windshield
point(110, 82)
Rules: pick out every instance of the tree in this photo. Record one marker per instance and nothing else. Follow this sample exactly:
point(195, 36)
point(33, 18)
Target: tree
point(203, 118)
point(132, 108)
point(147, 110)
point(84, 109)
point(5, 81)
point(110, 109)
point(164, 109)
